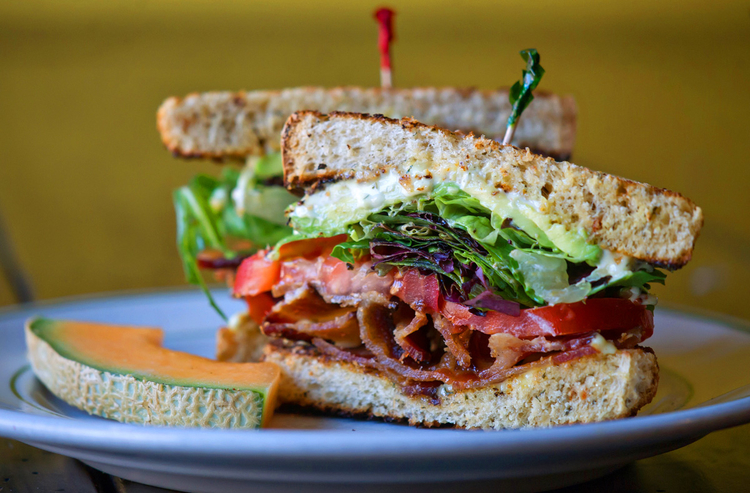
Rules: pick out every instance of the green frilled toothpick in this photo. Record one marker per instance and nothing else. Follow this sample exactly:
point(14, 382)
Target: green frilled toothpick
point(520, 93)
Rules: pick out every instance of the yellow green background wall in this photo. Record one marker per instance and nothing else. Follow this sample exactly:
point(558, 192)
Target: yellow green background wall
point(663, 91)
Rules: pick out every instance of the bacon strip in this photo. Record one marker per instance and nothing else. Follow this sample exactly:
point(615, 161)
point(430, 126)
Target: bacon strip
point(343, 330)
point(456, 342)
point(572, 354)
point(404, 338)
point(363, 358)
point(304, 315)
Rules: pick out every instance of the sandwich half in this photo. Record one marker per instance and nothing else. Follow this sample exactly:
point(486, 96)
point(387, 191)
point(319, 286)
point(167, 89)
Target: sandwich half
point(446, 279)
point(235, 125)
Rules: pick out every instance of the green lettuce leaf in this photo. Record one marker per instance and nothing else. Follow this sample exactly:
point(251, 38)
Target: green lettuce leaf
point(349, 251)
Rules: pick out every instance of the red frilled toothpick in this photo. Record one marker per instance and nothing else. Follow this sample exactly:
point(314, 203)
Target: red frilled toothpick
point(385, 17)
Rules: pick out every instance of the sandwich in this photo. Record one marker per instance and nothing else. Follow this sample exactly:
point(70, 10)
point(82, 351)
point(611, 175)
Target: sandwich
point(446, 279)
point(221, 220)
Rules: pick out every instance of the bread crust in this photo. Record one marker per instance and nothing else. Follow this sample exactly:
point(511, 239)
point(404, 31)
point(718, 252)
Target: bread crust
point(234, 125)
point(631, 218)
point(588, 389)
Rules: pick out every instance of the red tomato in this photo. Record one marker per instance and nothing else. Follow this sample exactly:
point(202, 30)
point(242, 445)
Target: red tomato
point(595, 314)
point(256, 275)
point(258, 306)
point(310, 248)
point(418, 291)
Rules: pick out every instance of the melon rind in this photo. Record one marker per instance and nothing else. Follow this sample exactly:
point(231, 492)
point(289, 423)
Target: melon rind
point(130, 400)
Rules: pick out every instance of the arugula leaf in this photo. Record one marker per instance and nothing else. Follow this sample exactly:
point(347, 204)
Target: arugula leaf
point(520, 94)
point(208, 219)
point(195, 231)
point(639, 279)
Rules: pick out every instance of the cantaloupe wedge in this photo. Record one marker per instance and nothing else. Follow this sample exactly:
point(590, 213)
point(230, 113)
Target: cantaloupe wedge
point(124, 373)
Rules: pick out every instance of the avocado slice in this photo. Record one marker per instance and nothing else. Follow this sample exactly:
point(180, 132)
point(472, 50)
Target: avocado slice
point(124, 373)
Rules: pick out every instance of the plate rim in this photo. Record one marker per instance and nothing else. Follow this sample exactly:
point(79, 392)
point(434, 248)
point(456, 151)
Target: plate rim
point(694, 422)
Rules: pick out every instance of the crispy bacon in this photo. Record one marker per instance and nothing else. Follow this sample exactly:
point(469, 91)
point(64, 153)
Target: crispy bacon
point(507, 350)
point(304, 315)
point(629, 339)
point(400, 325)
point(408, 322)
point(560, 358)
point(376, 329)
point(343, 330)
point(361, 356)
point(456, 342)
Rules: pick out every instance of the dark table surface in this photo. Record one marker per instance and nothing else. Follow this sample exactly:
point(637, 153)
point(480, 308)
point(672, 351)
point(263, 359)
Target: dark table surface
point(719, 462)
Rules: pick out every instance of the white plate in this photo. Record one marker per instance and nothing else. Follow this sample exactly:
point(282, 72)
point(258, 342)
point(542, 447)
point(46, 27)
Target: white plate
point(705, 386)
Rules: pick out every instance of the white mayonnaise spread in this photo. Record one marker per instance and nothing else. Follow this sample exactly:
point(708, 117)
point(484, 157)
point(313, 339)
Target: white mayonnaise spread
point(602, 345)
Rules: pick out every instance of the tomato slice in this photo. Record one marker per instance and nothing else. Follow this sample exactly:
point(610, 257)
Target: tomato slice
point(420, 292)
point(256, 275)
point(310, 248)
point(592, 315)
point(258, 306)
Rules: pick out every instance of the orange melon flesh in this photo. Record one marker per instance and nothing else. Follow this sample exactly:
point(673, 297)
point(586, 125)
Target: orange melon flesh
point(138, 352)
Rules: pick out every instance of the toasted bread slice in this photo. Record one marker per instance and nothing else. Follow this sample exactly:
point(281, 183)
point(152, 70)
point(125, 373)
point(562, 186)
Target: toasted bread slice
point(222, 125)
point(635, 219)
point(588, 389)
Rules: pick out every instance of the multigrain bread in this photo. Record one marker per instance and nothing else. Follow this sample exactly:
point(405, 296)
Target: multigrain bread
point(222, 125)
point(241, 344)
point(635, 219)
point(588, 389)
